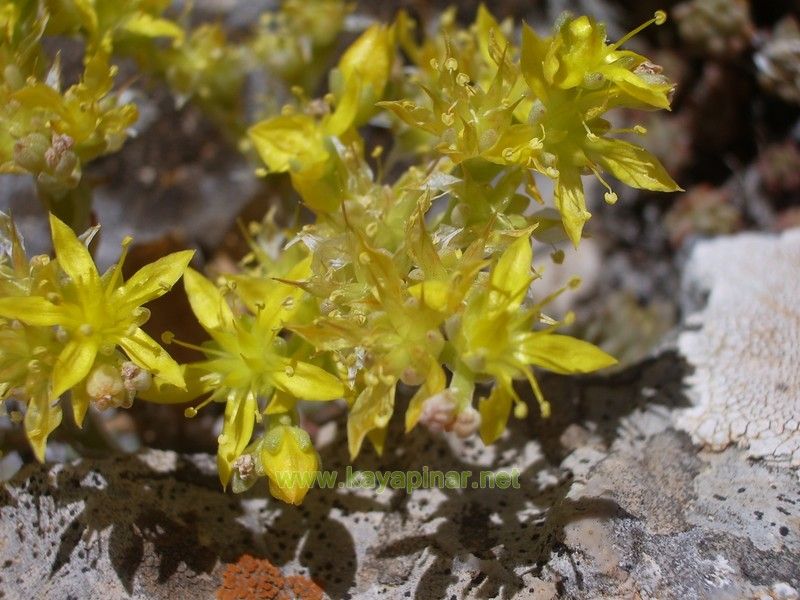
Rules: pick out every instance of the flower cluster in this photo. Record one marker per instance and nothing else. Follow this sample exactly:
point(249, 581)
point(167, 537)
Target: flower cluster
point(417, 270)
point(51, 130)
point(66, 327)
point(425, 281)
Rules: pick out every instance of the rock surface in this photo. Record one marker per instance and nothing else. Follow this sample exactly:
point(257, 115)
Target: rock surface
point(613, 503)
point(744, 345)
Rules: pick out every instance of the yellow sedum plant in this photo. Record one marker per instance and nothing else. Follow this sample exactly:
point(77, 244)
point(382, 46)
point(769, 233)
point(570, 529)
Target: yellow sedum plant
point(415, 274)
point(68, 328)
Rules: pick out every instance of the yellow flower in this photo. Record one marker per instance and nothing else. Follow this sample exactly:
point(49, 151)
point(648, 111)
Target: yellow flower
point(575, 78)
point(495, 337)
point(97, 314)
point(302, 145)
point(247, 359)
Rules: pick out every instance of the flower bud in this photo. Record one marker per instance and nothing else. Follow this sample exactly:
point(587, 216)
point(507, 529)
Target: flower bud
point(467, 422)
point(105, 387)
point(290, 461)
point(439, 412)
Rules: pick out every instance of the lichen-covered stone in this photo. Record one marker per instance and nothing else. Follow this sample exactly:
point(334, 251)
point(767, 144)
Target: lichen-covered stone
point(612, 503)
point(744, 345)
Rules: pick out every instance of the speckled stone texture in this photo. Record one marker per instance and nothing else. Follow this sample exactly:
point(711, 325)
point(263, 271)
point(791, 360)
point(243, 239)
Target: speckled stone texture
point(613, 503)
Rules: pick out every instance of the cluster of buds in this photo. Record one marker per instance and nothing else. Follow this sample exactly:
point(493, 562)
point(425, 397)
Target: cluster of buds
point(440, 413)
point(51, 160)
point(110, 385)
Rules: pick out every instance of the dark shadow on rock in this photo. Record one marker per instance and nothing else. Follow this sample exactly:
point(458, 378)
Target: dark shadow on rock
point(495, 529)
point(187, 524)
point(604, 400)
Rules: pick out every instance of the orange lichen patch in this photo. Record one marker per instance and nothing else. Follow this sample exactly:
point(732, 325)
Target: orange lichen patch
point(303, 588)
point(252, 578)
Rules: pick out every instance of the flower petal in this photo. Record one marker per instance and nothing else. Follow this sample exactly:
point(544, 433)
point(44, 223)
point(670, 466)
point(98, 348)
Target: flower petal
point(207, 302)
point(633, 165)
point(571, 203)
point(564, 354)
point(73, 364)
point(155, 279)
point(512, 274)
point(148, 354)
point(434, 383)
point(74, 259)
point(41, 418)
point(307, 382)
point(372, 410)
point(494, 412)
point(33, 310)
point(237, 429)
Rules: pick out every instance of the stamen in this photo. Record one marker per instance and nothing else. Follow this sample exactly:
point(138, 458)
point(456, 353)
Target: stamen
point(659, 18)
point(169, 338)
point(610, 196)
point(192, 411)
point(117, 269)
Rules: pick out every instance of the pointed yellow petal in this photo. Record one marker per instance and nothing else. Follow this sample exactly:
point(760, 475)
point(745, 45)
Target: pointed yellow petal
point(433, 294)
point(74, 259)
point(149, 355)
point(147, 25)
point(33, 310)
point(494, 412)
point(571, 203)
point(237, 429)
point(512, 274)
point(281, 403)
point(534, 50)
point(80, 403)
point(305, 381)
point(41, 418)
point(155, 279)
point(633, 165)
point(288, 140)
point(73, 364)
point(433, 384)
point(564, 354)
point(207, 302)
point(162, 392)
point(372, 410)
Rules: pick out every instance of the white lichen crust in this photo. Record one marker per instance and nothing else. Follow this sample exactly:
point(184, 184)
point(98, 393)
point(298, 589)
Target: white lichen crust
point(744, 345)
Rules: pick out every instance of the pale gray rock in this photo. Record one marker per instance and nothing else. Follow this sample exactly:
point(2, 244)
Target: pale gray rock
point(612, 503)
